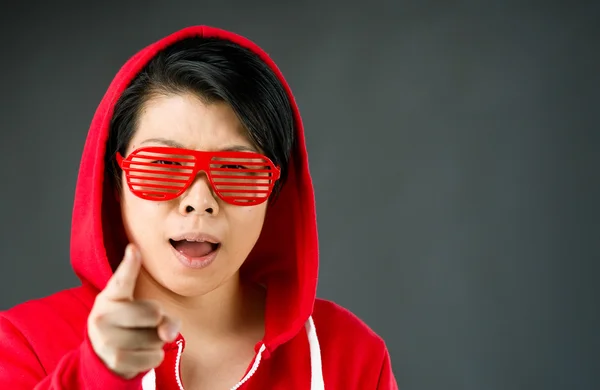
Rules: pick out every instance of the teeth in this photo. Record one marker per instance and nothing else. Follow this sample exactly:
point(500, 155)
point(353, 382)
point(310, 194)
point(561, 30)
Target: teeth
point(193, 238)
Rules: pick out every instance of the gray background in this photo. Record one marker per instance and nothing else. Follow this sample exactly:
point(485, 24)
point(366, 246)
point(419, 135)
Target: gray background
point(454, 150)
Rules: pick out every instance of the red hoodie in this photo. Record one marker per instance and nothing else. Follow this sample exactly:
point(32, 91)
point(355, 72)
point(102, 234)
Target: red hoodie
point(309, 343)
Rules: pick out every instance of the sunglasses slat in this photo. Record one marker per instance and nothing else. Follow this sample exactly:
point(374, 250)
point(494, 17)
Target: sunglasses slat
point(160, 166)
point(244, 171)
point(163, 156)
point(154, 172)
point(245, 177)
point(145, 185)
point(158, 192)
point(241, 185)
point(235, 191)
point(244, 196)
point(151, 178)
point(259, 164)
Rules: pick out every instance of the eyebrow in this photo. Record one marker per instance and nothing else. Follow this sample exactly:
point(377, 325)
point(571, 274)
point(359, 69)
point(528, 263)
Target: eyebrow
point(175, 144)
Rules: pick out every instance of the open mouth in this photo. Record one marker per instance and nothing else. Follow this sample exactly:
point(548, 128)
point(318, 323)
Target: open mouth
point(194, 249)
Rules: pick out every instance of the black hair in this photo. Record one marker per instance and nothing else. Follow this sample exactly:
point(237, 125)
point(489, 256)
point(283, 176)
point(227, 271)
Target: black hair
point(215, 70)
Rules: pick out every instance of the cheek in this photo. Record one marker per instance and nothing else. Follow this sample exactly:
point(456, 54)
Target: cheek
point(140, 217)
point(246, 224)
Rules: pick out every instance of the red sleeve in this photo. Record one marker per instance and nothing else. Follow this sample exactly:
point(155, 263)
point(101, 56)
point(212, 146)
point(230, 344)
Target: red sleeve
point(387, 381)
point(20, 368)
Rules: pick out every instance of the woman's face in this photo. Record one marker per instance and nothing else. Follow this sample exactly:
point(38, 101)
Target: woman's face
point(160, 228)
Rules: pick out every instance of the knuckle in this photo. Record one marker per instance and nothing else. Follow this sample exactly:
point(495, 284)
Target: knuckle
point(119, 358)
point(96, 309)
point(100, 309)
point(118, 282)
point(110, 358)
point(96, 335)
point(109, 343)
point(105, 350)
point(151, 310)
point(98, 317)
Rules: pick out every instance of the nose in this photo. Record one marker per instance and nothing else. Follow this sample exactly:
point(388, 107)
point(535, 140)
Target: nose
point(199, 198)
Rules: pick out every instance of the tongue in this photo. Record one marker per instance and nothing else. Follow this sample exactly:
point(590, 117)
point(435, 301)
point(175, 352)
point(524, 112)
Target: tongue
point(193, 249)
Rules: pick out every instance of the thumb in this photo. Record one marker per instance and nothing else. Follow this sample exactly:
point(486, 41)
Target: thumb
point(169, 328)
point(122, 284)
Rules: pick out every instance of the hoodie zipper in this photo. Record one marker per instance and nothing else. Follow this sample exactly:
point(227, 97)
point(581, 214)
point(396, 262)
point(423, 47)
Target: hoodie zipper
point(237, 386)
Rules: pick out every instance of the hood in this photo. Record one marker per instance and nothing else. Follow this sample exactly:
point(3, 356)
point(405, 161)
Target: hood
point(285, 258)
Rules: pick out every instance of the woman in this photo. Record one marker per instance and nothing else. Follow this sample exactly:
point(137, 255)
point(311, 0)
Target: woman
point(194, 168)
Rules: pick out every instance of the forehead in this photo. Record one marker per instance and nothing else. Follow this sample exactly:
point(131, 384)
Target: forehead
point(189, 121)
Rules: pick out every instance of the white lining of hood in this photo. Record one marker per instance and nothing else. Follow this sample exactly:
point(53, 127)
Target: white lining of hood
point(316, 368)
point(149, 381)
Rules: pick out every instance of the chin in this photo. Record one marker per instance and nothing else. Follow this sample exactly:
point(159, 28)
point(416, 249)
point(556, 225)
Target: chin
point(187, 286)
point(194, 282)
point(189, 290)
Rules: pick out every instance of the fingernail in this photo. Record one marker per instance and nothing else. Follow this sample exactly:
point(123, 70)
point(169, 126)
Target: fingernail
point(129, 252)
point(173, 330)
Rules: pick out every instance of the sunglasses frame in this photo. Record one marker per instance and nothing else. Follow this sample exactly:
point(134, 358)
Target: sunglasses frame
point(202, 161)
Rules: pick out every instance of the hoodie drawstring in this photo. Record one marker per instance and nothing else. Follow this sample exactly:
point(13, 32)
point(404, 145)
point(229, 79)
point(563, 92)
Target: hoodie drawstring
point(316, 368)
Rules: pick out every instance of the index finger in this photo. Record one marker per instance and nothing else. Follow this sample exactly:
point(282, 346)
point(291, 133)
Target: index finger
point(122, 284)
